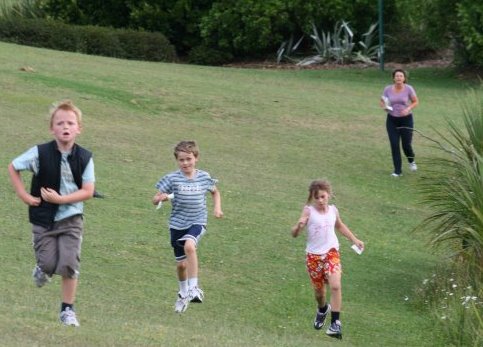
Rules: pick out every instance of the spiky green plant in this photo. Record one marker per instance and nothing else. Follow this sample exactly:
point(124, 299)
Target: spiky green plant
point(369, 51)
point(20, 8)
point(287, 49)
point(453, 189)
point(338, 46)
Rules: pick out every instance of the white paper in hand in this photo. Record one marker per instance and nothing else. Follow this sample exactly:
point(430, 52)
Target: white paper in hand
point(357, 249)
point(170, 197)
point(387, 104)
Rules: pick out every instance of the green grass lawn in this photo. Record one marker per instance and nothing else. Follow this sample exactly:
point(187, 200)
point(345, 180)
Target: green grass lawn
point(265, 135)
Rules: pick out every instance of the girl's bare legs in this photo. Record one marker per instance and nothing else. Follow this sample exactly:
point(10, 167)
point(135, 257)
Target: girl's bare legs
point(320, 296)
point(335, 291)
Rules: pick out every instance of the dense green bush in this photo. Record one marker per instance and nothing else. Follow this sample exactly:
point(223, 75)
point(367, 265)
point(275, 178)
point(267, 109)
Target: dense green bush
point(203, 55)
point(248, 29)
point(145, 45)
point(257, 28)
point(109, 42)
point(109, 13)
point(245, 28)
point(178, 20)
point(470, 22)
point(421, 27)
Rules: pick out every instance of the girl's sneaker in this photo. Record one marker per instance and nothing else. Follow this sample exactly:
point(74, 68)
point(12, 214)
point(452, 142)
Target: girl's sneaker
point(68, 318)
point(319, 320)
point(335, 330)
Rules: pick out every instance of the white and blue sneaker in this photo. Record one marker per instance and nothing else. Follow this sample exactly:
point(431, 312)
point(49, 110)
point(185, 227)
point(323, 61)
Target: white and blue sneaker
point(319, 320)
point(335, 330)
point(40, 278)
point(68, 318)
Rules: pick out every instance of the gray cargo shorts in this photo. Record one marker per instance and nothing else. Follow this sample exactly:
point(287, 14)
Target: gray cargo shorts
point(57, 249)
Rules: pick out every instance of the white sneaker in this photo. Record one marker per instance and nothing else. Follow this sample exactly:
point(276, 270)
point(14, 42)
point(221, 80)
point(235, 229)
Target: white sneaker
point(396, 175)
point(68, 318)
point(413, 167)
point(181, 303)
point(40, 277)
point(196, 295)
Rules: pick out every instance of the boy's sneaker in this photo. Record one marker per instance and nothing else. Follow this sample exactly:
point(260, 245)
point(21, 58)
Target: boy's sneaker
point(196, 295)
point(413, 167)
point(181, 303)
point(40, 277)
point(319, 320)
point(335, 330)
point(68, 318)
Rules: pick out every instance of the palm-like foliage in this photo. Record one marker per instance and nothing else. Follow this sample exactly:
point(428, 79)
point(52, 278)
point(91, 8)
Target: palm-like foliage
point(453, 189)
point(20, 8)
point(338, 46)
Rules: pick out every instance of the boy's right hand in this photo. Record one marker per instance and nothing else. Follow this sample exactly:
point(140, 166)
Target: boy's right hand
point(159, 197)
point(31, 200)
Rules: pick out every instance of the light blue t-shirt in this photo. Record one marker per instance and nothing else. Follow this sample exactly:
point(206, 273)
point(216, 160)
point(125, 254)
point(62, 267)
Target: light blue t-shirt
point(189, 203)
point(29, 161)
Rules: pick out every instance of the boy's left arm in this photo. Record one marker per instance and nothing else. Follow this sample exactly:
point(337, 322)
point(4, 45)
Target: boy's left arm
point(84, 193)
point(344, 230)
point(217, 203)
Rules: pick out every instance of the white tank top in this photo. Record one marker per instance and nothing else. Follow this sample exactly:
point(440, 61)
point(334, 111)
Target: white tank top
point(321, 230)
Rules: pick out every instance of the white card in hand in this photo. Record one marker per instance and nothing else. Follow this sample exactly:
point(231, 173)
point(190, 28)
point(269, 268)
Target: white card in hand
point(357, 249)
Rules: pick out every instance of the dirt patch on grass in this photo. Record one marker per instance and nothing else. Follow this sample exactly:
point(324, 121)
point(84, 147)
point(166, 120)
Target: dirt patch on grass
point(330, 66)
point(472, 73)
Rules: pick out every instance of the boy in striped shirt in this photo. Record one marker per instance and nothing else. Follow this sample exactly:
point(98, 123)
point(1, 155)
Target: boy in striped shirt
point(188, 219)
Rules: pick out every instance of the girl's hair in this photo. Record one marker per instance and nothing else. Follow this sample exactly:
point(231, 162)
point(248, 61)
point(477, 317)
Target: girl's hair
point(66, 105)
point(401, 71)
point(317, 185)
point(187, 147)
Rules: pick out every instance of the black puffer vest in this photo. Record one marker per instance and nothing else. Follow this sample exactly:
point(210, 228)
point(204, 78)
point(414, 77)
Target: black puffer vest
point(49, 177)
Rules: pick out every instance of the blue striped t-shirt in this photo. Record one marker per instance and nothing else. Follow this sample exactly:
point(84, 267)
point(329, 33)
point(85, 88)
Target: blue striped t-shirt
point(189, 203)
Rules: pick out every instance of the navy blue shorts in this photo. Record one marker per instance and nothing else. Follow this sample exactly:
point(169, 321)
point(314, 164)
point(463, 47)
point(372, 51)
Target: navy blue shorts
point(178, 238)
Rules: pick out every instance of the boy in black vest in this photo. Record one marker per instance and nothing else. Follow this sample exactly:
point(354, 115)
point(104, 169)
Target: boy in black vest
point(63, 177)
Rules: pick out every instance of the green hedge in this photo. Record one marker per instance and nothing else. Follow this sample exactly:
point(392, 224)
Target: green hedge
point(119, 43)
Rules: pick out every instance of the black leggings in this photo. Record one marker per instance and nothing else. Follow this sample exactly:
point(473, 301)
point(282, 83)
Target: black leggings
point(396, 135)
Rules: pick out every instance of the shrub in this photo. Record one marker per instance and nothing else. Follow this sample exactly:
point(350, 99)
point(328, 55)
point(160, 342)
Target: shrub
point(203, 55)
point(453, 190)
point(251, 28)
point(99, 41)
point(407, 45)
point(470, 15)
point(95, 40)
point(145, 45)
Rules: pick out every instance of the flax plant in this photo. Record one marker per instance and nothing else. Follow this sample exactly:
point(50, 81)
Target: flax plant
point(10, 9)
point(453, 189)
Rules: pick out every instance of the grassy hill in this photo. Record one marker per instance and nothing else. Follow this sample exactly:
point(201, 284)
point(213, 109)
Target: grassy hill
point(265, 135)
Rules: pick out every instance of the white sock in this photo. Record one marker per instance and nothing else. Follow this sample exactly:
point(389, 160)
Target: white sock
point(183, 287)
point(193, 282)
